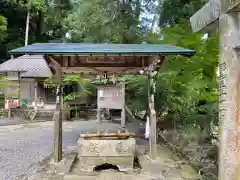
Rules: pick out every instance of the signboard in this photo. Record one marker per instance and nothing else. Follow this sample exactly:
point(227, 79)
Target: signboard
point(110, 97)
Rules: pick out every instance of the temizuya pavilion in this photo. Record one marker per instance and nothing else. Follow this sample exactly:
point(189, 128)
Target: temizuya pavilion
point(102, 59)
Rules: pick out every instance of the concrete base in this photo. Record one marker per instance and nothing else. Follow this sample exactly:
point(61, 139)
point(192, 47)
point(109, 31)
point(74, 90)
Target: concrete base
point(109, 176)
point(96, 152)
point(66, 164)
point(77, 177)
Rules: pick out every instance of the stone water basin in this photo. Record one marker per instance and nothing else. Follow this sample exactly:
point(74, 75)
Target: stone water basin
point(97, 152)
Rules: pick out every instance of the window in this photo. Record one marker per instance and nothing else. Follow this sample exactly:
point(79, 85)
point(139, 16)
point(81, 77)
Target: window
point(12, 73)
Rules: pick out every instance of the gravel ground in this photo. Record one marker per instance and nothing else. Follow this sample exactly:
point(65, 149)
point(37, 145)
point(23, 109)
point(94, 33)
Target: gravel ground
point(24, 145)
point(6, 121)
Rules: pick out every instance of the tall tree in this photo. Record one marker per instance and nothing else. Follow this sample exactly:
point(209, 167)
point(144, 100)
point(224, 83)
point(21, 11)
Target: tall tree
point(3, 28)
point(104, 21)
point(173, 11)
point(45, 22)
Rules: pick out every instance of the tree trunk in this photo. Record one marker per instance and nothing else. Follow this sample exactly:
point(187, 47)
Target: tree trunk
point(38, 30)
point(27, 27)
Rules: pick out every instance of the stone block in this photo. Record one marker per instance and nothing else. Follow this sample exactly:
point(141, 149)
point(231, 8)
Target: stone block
point(95, 152)
point(207, 15)
point(106, 147)
point(122, 176)
point(65, 165)
point(89, 163)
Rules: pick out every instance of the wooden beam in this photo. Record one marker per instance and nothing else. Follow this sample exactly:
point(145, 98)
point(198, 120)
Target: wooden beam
point(122, 55)
point(156, 63)
point(118, 134)
point(68, 59)
point(100, 70)
point(61, 62)
point(113, 61)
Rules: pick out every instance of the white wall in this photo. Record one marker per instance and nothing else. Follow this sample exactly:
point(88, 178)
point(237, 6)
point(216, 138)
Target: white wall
point(12, 76)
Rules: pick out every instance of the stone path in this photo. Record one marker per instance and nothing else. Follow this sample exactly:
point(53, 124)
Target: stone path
point(6, 121)
point(22, 146)
point(168, 167)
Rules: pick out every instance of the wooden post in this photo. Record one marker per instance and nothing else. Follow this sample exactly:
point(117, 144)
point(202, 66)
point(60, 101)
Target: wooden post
point(35, 95)
point(19, 89)
point(98, 108)
point(76, 114)
point(98, 119)
point(123, 121)
point(57, 150)
point(9, 112)
point(152, 115)
point(57, 145)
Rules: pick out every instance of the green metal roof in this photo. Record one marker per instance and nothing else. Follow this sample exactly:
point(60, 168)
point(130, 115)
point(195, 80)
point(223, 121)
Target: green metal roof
point(78, 48)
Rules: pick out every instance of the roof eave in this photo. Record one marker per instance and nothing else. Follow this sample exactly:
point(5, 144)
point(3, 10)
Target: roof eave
point(23, 77)
point(5, 71)
point(97, 53)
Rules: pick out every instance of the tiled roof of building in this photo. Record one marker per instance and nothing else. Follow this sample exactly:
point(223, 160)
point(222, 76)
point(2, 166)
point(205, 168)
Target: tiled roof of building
point(29, 66)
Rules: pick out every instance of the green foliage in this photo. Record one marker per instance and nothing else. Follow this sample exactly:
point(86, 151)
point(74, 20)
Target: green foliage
point(31, 4)
point(45, 22)
point(186, 88)
point(137, 93)
point(3, 28)
point(84, 89)
point(67, 80)
point(195, 78)
point(103, 21)
point(4, 82)
point(173, 11)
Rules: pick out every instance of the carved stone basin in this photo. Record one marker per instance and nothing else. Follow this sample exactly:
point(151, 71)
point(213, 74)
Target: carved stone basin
point(94, 152)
